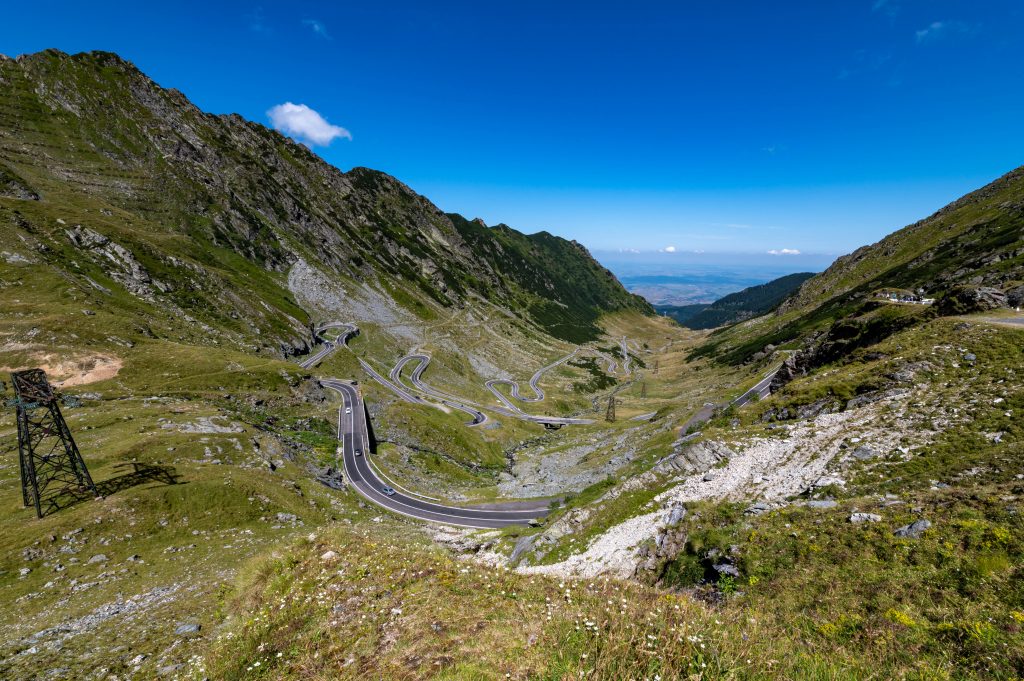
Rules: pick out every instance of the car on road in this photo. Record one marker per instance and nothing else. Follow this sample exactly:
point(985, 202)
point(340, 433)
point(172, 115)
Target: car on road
point(388, 491)
point(359, 452)
point(348, 410)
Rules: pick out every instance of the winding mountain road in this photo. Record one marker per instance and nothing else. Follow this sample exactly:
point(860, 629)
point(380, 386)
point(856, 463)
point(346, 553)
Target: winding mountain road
point(761, 389)
point(474, 410)
point(625, 356)
point(514, 386)
point(417, 380)
point(353, 434)
point(329, 346)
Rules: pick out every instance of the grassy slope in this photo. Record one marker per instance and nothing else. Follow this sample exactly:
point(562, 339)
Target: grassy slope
point(818, 598)
point(952, 600)
point(976, 238)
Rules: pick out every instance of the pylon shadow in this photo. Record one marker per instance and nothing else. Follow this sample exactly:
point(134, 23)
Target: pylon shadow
point(135, 474)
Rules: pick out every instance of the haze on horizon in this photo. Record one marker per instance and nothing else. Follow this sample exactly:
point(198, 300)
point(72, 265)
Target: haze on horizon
point(792, 133)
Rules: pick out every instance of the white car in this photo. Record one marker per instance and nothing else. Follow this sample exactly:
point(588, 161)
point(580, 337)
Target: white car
point(348, 410)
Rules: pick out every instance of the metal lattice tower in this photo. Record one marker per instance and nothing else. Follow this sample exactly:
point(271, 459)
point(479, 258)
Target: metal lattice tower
point(610, 414)
point(643, 390)
point(50, 461)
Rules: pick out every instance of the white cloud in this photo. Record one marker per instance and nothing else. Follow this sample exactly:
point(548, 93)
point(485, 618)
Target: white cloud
point(933, 30)
point(317, 27)
point(784, 251)
point(940, 29)
point(305, 124)
point(667, 249)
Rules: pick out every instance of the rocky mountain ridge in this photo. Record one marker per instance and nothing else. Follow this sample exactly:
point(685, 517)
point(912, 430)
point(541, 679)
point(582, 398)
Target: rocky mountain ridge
point(90, 140)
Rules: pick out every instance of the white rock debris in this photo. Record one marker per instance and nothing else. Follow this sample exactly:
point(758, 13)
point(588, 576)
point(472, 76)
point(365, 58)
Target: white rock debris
point(766, 469)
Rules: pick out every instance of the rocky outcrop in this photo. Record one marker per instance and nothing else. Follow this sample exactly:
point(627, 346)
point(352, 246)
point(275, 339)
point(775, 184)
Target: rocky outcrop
point(792, 368)
point(14, 187)
point(967, 299)
point(117, 261)
point(693, 459)
point(872, 323)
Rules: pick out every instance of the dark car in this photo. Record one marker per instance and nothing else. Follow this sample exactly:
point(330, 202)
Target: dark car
point(388, 491)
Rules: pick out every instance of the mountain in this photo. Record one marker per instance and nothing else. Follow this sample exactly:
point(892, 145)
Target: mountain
point(123, 185)
point(735, 307)
point(970, 250)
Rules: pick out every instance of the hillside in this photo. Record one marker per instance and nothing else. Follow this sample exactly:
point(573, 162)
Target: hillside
point(210, 205)
point(735, 307)
point(976, 242)
point(681, 313)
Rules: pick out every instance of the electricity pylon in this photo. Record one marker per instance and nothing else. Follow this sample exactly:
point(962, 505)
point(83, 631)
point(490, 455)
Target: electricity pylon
point(47, 453)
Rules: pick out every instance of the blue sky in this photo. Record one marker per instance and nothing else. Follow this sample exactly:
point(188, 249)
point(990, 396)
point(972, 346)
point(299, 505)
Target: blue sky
point(732, 127)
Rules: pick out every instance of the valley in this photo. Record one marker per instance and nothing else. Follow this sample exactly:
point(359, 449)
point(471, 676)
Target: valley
point(337, 432)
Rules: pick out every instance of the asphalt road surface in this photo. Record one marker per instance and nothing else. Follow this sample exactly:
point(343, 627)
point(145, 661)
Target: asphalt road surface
point(514, 386)
point(613, 364)
point(329, 346)
point(353, 434)
point(417, 380)
point(397, 389)
point(461, 404)
point(762, 390)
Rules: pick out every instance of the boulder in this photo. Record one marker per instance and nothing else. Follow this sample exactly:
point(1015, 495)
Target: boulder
point(675, 515)
point(865, 518)
point(330, 477)
point(914, 530)
point(1015, 297)
point(863, 453)
point(792, 367)
point(726, 570)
